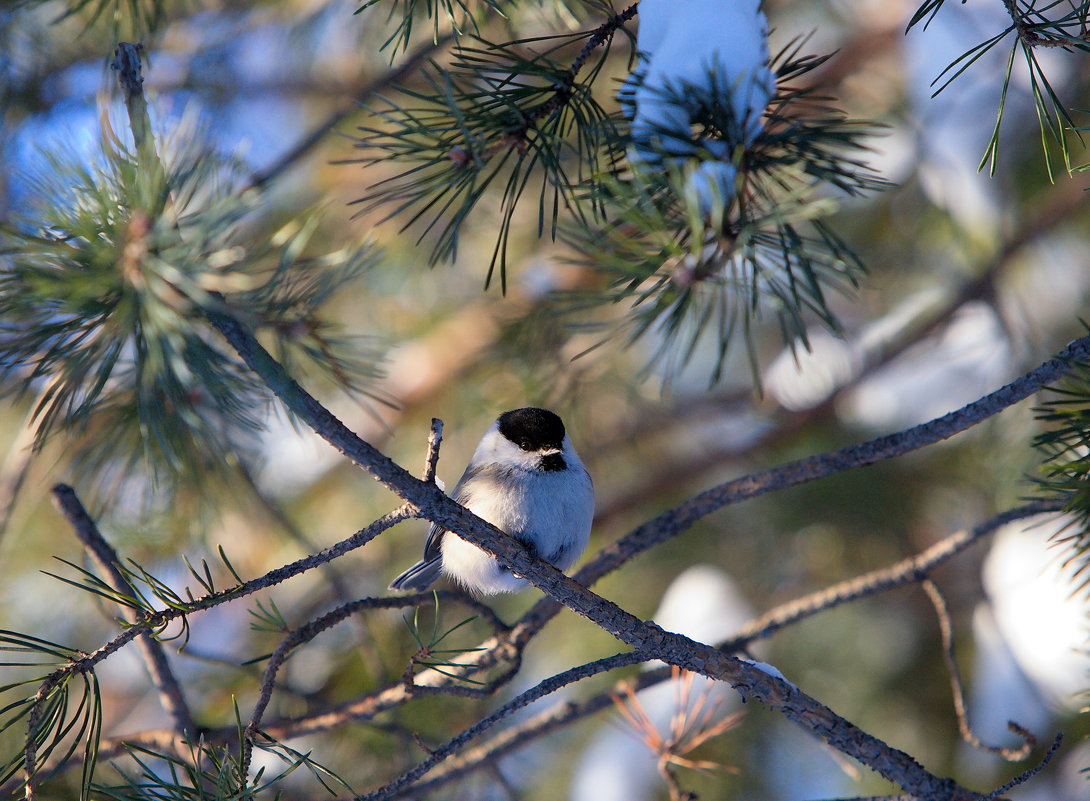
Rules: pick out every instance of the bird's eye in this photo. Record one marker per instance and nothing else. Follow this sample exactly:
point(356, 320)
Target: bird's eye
point(525, 444)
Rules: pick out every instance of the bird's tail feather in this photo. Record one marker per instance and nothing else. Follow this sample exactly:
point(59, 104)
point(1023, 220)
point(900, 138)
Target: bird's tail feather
point(420, 576)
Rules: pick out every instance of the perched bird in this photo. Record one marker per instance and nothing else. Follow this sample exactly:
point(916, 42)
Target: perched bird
point(526, 479)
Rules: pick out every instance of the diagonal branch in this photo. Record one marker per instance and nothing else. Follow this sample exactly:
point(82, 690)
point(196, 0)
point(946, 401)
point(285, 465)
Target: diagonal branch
point(908, 571)
point(105, 557)
point(672, 648)
point(671, 523)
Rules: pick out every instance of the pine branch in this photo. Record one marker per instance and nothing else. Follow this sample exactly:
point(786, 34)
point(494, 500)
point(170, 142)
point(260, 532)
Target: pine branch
point(497, 117)
point(913, 570)
point(675, 649)
point(100, 292)
point(671, 523)
point(1031, 28)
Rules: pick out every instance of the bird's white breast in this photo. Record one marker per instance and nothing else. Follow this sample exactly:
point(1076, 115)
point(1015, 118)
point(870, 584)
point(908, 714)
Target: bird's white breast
point(551, 512)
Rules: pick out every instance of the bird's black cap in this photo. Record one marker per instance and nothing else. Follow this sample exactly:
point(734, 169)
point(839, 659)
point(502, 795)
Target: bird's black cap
point(532, 429)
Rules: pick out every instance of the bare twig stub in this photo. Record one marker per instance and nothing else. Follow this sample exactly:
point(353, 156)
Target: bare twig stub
point(435, 439)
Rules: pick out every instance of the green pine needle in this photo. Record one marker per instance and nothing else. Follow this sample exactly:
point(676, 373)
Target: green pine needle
point(104, 282)
point(502, 116)
point(1064, 474)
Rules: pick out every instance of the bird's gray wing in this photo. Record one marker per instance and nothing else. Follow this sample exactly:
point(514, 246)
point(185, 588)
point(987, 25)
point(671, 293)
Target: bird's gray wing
point(424, 573)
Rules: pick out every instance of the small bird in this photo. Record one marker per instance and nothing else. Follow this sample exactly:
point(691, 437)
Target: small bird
point(526, 479)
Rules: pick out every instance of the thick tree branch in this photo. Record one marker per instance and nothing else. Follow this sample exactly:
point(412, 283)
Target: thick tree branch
point(462, 761)
point(672, 648)
point(915, 569)
point(670, 523)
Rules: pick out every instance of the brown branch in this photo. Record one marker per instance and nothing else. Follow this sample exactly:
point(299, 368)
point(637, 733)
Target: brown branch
point(647, 637)
point(946, 630)
point(908, 571)
point(105, 558)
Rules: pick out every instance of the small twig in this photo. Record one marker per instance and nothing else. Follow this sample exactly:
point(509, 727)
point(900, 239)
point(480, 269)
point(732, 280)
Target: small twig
point(1028, 35)
point(299, 636)
point(1025, 776)
point(435, 439)
point(407, 781)
point(107, 561)
point(966, 731)
point(908, 571)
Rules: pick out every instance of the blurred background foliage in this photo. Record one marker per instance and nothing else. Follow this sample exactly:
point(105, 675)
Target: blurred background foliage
point(970, 280)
